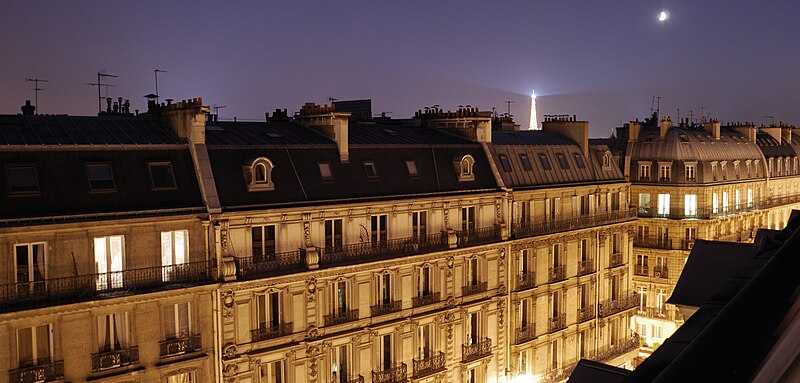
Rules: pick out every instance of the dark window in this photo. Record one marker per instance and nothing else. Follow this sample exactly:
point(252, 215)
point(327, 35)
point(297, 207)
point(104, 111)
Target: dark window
point(22, 179)
point(545, 161)
point(333, 234)
point(579, 161)
point(101, 178)
point(369, 168)
point(325, 171)
point(526, 162)
point(161, 175)
point(504, 163)
point(411, 165)
point(562, 160)
point(263, 242)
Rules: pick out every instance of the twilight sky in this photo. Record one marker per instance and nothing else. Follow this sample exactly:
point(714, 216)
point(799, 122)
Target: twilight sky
point(601, 60)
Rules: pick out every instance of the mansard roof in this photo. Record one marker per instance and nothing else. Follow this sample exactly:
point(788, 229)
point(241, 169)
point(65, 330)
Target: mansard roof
point(83, 130)
point(691, 144)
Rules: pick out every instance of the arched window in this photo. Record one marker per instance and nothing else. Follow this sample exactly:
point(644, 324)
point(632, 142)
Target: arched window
point(465, 166)
point(258, 175)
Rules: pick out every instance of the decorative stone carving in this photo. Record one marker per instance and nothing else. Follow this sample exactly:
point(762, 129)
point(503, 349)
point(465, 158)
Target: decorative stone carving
point(228, 268)
point(223, 235)
point(311, 286)
point(312, 332)
point(501, 289)
point(451, 302)
point(307, 228)
point(500, 310)
point(229, 351)
point(227, 304)
point(446, 207)
point(230, 370)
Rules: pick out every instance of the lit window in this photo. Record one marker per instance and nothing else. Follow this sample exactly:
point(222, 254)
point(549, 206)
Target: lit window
point(177, 322)
point(664, 173)
point(174, 252)
point(579, 161)
point(690, 205)
point(663, 204)
point(262, 239)
point(562, 160)
point(259, 175)
point(505, 163)
point(644, 172)
point(22, 179)
point(411, 166)
point(545, 161)
point(689, 173)
point(100, 176)
point(714, 203)
point(724, 202)
point(108, 260)
point(644, 202)
point(161, 175)
point(370, 170)
point(465, 168)
point(526, 162)
point(272, 372)
point(325, 171)
point(112, 333)
point(182, 377)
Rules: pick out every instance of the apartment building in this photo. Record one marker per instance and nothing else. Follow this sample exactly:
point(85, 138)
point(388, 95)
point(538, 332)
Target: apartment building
point(699, 181)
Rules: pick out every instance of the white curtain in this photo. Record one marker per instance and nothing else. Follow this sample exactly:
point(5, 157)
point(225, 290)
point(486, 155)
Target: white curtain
point(103, 342)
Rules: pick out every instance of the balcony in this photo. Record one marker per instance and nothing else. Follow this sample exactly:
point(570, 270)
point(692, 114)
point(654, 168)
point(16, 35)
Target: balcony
point(526, 281)
point(116, 358)
point(525, 333)
point(613, 306)
point(620, 348)
point(687, 244)
point(654, 243)
point(474, 288)
point(475, 351)
point(430, 365)
point(586, 313)
point(661, 272)
point(385, 308)
point(395, 374)
point(559, 374)
point(653, 312)
point(270, 264)
point(368, 251)
point(585, 267)
point(340, 317)
point(478, 236)
point(264, 332)
point(530, 229)
point(641, 270)
point(558, 273)
point(354, 379)
point(178, 346)
point(89, 287)
point(45, 372)
point(425, 300)
point(556, 323)
point(615, 260)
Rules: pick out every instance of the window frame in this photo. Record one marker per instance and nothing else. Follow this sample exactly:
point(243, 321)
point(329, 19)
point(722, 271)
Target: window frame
point(370, 164)
point(153, 185)
point(110, 168)
point(411, 167)
point(325, 171)
point(22, 193)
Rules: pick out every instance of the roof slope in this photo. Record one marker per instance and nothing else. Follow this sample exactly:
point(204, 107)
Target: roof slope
point(83, 130)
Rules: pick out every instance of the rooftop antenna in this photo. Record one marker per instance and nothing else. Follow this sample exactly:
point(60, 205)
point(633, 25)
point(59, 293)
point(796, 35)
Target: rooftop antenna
point(332, 100)
point(508, 106)
point(703, 114)
point(36, 90)
point(217, 108)
point(772, 119)
point(658, 104)
point(156, 72)
point(691, 116)
point(652, 104)
point(99, 84)
point(679, 115)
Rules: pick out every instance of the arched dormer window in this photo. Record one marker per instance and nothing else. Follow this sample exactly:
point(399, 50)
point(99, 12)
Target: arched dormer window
point(606, 160)
point(258, 175)
point(465, 167)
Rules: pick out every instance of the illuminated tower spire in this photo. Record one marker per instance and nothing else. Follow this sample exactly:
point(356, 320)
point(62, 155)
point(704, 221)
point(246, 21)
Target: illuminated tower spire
point(534, 124)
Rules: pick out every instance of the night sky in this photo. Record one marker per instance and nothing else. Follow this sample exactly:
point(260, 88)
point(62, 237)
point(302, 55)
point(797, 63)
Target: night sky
point(601, 60)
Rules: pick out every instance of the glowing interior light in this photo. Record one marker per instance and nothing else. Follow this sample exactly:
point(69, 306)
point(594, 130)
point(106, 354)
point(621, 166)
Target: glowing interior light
point(534, 125)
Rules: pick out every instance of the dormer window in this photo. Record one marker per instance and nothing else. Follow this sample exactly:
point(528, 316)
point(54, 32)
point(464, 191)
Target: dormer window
point(325, 171)
point(22, 180)
point(161, 175)
point(101, 178)
point(411, 166)
point(258, 175)
point(505, 163)
point(465, 168)
point(606, 160)
point(579, 160)
point(545, 161)
point(370, 170)
point(526, 162)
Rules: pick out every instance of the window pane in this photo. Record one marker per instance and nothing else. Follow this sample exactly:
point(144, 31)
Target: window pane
point(411, 165)
point(22, 179)
point(325, 170)
point(100, 177)
point(161, 175)
point(25, 346)
point(169, 322)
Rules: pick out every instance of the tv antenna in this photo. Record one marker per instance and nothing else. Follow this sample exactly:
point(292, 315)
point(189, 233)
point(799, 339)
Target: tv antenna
point(657, 102)
point(332, 100)
point(217, 108)
point(99, 84)
point(156, 72)
point(772, 119)
point(36, 90)
point(508, 106)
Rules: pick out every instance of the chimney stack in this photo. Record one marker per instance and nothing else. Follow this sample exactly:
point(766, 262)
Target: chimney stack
point(569, 127)
point(746, 130)
point(712, 127)
point(633, 130)
point(664, 125)
point(28, 109)
point(188, 119)
point(329, 122)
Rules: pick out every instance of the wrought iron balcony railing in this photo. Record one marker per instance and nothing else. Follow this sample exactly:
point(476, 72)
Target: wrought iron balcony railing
point(395, 374)
point(352, 379)
point(429, 365)
point(526, 281)
point(474, 288)
point(615, 260)
point(477, 350)
point(558, 273)
point(586, 313)
point(655, 243)
point(585, 267)
point(641, 269)
point(367, 251)
point(560, 374)
point(43, 372)
point(613, 306)
point(177, 346)
point(425, 300)
point(661, 272)
point(525, 333)
point(339, 317)
point(269, 332)
point(529, 229)
point(621, 347)
point(269, 264)
point(653, 312)
point(558, 322)
point(88, 287)
point(117, 358)
point(478, 236)
point(385, 308)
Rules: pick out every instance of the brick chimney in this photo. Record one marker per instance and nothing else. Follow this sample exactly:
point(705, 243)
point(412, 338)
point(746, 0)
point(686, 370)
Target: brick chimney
point(330, 123)
point(188, 119)
point(569, 127)
point(664, 125)
point(748, 131)
point(467, 121)
point(28, 109)
point(633, 130)
point(712, 127)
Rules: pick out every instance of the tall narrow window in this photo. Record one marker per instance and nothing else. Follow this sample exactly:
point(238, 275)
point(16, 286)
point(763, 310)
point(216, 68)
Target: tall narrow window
point(385, 289)
point(690, 205)
point(664, 173)
point(425, 281)
point(505, 163)
point(644, 172)
point(468, 218)
point(333, 234)
point(473, 272)
point(749, 197)
point(737, 199)
point(724, 202)
point(425, 341)
point(526, 162)
point(262, 242)
point(556, 250)
point(386, 352)
point(177, 321)
point(555, 299)
point(108, 260)
point(272, 372)
point(35, 345)
point(31, 271)
point(174, 252)
point(341, 297)
point(644, 203)
point(378, 235)
point(465, 171)
point(100, 176)
point(473, 327)
point(555, 354)
point(663, 204)
point(112, 332)
point(614, 287)
point(714, 203)
point(268, 310)
point(689, 173)
point(419, 224)
point(341, 364)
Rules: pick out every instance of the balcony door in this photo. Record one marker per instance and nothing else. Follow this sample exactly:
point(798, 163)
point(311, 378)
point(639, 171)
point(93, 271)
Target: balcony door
point(108, 260)
point(340, 363)
point(35, 345)
point(112, 332)
point(425, 341)
point(386, 352)
point(174, 252)
point(31, 270)
point(473, 327)
point(177, 320)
